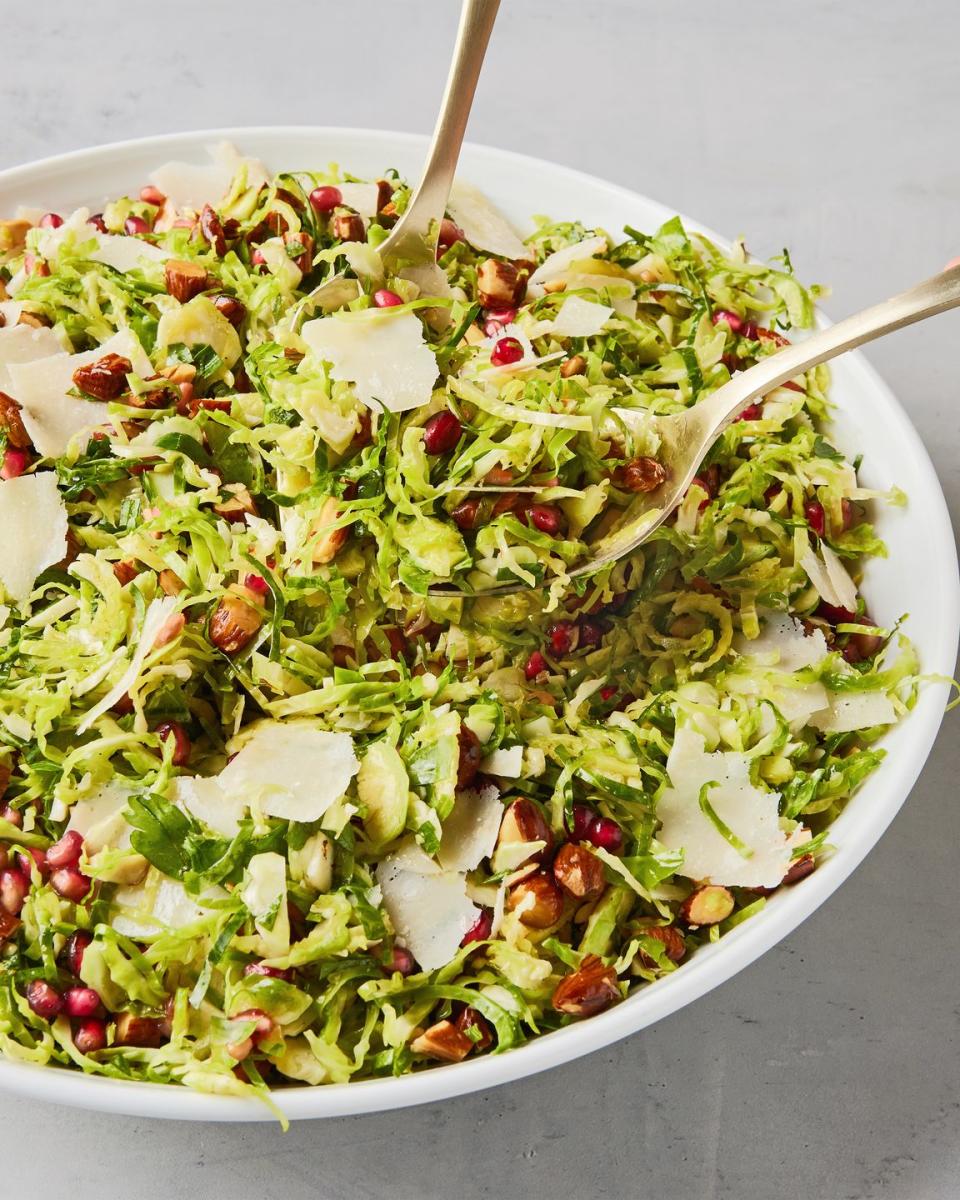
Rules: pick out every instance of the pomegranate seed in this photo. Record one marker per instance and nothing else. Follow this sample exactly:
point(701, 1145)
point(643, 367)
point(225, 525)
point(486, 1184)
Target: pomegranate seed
point(90, 1036)
point(773, 490)
point(753, 412)
point(728, 318)
point(325, 199)
point(608, 692)
point(152, 195)
point(401, 960)
point(508, 350)
point(771, 335)
point(135, 225)
point(450, 232)
point(384, 298)
point(816, 517)
point(480, 929)
point(81, 1002)
point(441, 433)
point(583, 819)
point(563, 637)
point(43, 999)
point(35, 266)
point(465, 514)
point(8, 813)
point(51, 221)
point(700, 482)
point(70, 883)
point(181, 741)
point(750, 330)
point(536, 663)
point(848, 514)
point(36, 858)
point(834, 614)
point(259, 968)
point(265, 1023)
point(97, 222)
point(544, 517)
point(77, 943)
point(67, 851)
point(256, 583)
point(606, 834)
point(257, 259)
point(15, 462)
point(793, 387)
point(13, 891)
point(591, 634)
point(494, 321)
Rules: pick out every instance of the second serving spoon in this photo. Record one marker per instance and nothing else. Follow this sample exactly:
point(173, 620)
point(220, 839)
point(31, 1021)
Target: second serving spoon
point(686, 438)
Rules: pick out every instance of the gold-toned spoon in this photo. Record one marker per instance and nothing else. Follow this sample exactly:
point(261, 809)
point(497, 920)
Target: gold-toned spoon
point(686, 438)
point(411, 248)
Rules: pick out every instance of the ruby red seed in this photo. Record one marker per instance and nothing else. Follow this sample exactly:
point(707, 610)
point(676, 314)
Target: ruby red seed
point(325, 199)
point(480, 929)
point(181, 741)
point(441, 433)
point(384, 298)
point(605, 834)
point(816, 517)
point(51, 220)
point(67, 851)
point(536, 664)
point(44, 999)
point(90, 1036)
point(81, 1002)
point(728, 318)
point(70, 883)
point(77, 943)
point(506, 352)
point(134, 225)
point(15, 462)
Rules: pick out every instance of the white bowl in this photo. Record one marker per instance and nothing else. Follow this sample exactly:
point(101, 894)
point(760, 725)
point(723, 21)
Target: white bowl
point(919, 578)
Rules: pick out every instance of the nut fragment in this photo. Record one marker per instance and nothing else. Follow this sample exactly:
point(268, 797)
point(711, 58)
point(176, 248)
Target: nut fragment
point(470, 1021)
point(238, 503)
point(212, 229)
point(184, 279)
point(800, 869)
point(12, 423)
point(332, 538)
point(443, 1041)
point(640, 475)
point(132, 1030)
point(707, 905)
point(524, 822)
point(104, 378)
point(233, 624)
point(587, 991)
point(537, 901)
point(578, 871)
point(673, 943)
point(573, 366)
point(470, 756)
point(500, 284)
point(170, 582)
point(348, 227)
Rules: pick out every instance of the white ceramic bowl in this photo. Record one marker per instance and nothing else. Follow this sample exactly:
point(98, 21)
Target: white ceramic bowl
point(919, 577)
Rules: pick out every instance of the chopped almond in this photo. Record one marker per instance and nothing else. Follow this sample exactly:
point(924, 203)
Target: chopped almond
point(443, 1041)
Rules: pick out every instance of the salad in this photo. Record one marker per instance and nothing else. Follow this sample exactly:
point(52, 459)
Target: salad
point(273, 809)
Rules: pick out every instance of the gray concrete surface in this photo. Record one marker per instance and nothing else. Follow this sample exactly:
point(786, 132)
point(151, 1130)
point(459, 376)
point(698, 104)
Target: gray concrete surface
point(828, 1069)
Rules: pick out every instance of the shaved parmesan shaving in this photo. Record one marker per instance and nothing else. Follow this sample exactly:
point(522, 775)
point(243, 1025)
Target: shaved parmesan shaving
point(158, 611)
point(483, 225)
point(149, 908)
point(782, 643)
point(23, 344)
point(206, 800)
point(848, 711)
point(34, 523)
point(10, 311)
point(507, 763)
point(99, 819)
point(470, 832)
point(430, 912)
point(51, 416)
point(751, 814)
point(843, 585)
point(291, 770)
point(383, 355)
point(361, 197)
point(126, 253)
point(580, 318)
point(559, 262)
point(188, 185)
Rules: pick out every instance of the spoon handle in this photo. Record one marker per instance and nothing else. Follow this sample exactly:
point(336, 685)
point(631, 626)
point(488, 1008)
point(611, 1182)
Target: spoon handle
point(415, 237)
point(933, 296)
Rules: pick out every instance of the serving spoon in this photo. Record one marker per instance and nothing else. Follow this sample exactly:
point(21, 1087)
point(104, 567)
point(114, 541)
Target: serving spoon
point(410, 250)
point(686, 438)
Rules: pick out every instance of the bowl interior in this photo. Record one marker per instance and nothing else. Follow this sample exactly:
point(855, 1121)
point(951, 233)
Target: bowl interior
point(918, 578)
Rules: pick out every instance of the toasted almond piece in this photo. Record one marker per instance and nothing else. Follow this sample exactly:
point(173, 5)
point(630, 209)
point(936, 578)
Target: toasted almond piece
point(133, 1030)
point(524, 822)
point(12, 423)
point(573, 366)
point(443, 1041)
point(707, 905)
point(184, 279)
point(578, 871)
point(333, 540)
point(233, 624)
point(537, 901)
point(500, 284)
point(555, 285)
point(587, 991)
point(13, 235)
point(673, 944)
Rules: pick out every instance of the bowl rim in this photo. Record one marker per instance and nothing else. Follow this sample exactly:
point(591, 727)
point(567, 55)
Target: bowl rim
point(712, 965)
